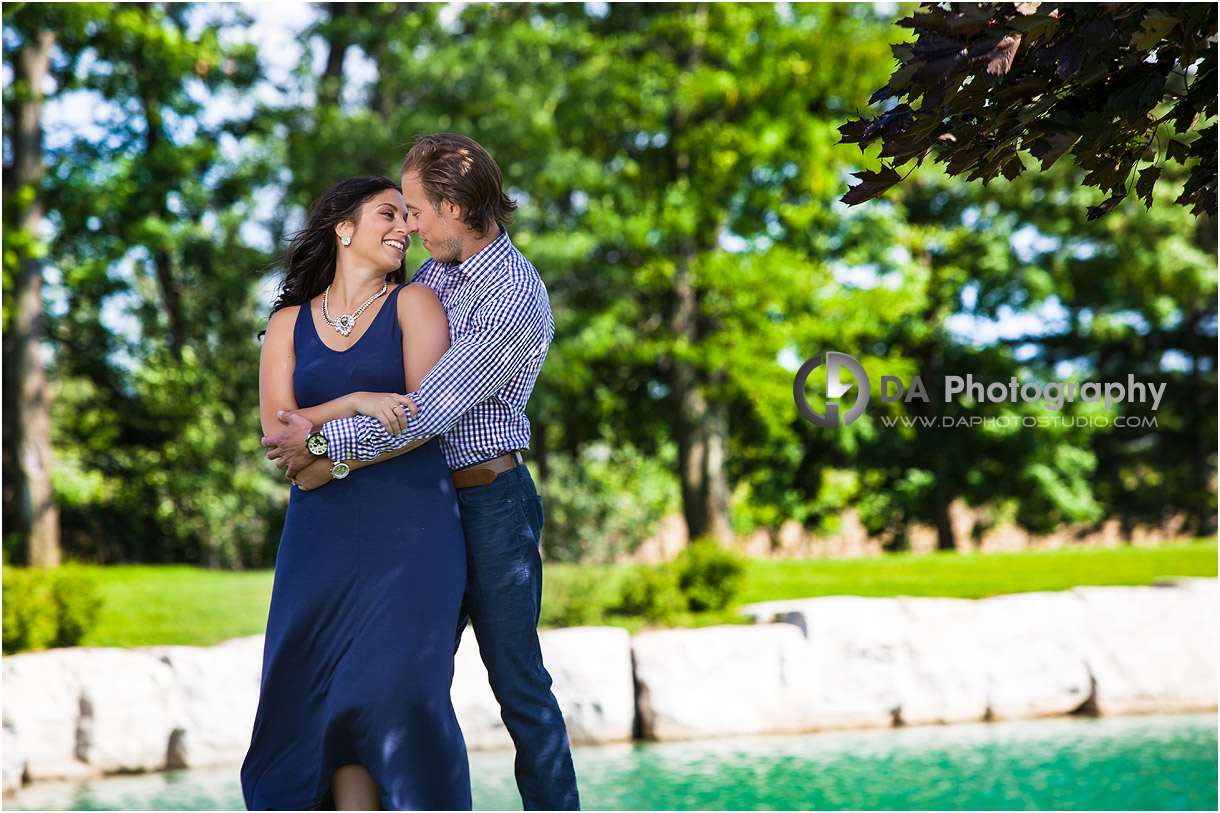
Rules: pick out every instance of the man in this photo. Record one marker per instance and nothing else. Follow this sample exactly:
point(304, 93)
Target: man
point(500, 324)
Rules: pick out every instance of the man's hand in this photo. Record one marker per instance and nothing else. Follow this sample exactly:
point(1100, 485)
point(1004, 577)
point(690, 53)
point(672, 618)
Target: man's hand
point(288, 447)
point(315, 475)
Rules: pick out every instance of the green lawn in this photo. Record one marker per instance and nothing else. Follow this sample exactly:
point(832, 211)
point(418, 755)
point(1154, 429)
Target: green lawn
point(582, 594)
point(978, 575)
point(148, 605)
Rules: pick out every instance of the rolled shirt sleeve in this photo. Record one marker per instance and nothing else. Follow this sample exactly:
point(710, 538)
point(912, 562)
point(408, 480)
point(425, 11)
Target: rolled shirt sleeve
point(508, 331)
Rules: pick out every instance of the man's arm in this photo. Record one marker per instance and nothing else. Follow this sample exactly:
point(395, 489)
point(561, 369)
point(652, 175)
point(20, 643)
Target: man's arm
point(509, 331)
point(317, 473)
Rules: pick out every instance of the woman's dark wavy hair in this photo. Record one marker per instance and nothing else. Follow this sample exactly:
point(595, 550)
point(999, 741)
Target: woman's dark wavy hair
point(309, 262)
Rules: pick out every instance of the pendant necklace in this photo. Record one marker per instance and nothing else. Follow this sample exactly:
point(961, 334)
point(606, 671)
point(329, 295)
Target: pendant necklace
point(347, 321)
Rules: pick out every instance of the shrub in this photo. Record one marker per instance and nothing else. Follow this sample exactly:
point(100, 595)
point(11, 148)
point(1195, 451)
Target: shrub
point(603, 502)
point(652, 592)
point(47, 608)
point(708, 575)
point(572, 598)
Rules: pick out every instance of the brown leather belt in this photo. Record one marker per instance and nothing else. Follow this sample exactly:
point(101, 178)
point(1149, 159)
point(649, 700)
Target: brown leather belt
point(480, 474)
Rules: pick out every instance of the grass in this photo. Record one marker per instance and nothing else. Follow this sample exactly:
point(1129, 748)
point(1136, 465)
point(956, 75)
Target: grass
point(177, 604)
point(589, 591)
point(978, 575)
point(150, 605)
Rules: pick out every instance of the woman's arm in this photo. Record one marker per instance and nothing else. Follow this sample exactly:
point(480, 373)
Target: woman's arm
point(276, 393)
point(425, 332)
point(425, 338)
point(275, 366)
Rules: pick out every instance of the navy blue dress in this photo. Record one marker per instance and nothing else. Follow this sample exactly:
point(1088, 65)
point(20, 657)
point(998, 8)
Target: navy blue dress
point(369, 579)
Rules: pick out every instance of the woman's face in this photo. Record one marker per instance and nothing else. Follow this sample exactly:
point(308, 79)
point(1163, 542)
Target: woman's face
point(380, 236)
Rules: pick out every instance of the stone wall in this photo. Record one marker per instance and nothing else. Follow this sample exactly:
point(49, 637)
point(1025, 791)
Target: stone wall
point(806, 665)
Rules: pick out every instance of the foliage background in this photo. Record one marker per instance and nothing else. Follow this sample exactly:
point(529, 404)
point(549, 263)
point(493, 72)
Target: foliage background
point(678, 170)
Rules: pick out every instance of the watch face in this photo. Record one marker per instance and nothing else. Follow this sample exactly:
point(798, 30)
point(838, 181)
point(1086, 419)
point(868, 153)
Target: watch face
point(316, 444)
point(340, 471)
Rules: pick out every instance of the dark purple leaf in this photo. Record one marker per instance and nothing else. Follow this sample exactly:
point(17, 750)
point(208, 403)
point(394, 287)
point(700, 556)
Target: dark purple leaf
point(901, 80)
point(937, 73)
point(969, 19)
point(872, 185)
point(901, 150)
point(1068, 58)
point(856, 130)
point(1177, 151)
point(1105, 175)
point(879, 94)
point(1035, 28)
point(1143, 187)
point(1136, 91)
point(999, 59)
point(1105, 207)
point(1021, 91)
point(1012, 168)
point(932, 47)
point(1097, 32)
point(1052, 147)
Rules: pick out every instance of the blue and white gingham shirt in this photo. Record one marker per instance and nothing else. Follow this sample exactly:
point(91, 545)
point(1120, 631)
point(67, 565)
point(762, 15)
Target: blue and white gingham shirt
point(500, 327)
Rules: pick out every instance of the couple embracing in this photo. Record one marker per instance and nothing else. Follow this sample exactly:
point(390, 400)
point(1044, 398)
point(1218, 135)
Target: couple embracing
point(398, 412)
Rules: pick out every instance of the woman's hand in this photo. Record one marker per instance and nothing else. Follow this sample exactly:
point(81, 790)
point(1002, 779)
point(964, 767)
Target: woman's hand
point(390, 409)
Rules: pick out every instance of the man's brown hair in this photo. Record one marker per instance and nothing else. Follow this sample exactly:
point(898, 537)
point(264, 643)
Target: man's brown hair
point(455, 168)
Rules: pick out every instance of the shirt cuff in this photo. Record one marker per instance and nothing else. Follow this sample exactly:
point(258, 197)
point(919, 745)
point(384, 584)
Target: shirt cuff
point(341, 439)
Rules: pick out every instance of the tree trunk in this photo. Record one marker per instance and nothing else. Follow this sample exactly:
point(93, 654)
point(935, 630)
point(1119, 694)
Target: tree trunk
point(944, 526)
point(381, 102)
point(701, 428)
point(337, 41)
point(1204, 521)
point(171, 294)
point(27, 397)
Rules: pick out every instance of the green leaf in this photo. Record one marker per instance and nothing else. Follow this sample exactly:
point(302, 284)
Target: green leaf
point(1154, 28)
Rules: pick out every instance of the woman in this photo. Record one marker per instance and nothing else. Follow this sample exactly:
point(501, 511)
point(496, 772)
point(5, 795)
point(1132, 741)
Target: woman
point(354, 708)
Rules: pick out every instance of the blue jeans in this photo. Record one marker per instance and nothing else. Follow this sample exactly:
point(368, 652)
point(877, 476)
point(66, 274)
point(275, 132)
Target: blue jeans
point(503, 523)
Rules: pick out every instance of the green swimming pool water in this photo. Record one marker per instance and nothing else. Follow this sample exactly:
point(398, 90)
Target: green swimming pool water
point(1122, 763)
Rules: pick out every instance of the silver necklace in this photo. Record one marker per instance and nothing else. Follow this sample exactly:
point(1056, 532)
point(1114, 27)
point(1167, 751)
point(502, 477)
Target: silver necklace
point(347, 321)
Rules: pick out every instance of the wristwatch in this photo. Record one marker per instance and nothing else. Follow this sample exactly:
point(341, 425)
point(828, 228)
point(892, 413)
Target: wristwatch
point(340, 470)
point(317, 444)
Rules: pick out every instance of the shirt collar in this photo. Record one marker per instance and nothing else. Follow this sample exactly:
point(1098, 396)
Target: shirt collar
point(479, 264)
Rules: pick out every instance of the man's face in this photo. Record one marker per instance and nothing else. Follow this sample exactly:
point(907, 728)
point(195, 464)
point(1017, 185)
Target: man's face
point(440, 232)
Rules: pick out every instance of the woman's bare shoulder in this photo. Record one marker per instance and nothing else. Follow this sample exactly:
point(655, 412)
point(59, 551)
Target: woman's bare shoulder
point(417, 293)
point(417, 298)
point(283, 320)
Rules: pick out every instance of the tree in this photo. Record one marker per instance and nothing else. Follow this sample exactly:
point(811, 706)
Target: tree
point(681, 217)
point(1116, 85)
point(151, 318)
point(29, 508)
point(638, 141)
